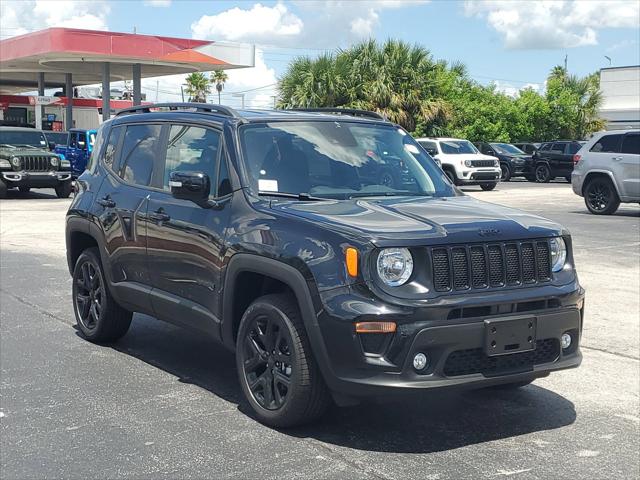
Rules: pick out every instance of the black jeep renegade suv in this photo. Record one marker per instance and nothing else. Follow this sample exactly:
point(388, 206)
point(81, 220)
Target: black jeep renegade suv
point(282, 235)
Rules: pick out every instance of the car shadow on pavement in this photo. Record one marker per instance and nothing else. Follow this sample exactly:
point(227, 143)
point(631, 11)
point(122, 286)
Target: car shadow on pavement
point(31, 195)
point(424, 422)
point(620, 213)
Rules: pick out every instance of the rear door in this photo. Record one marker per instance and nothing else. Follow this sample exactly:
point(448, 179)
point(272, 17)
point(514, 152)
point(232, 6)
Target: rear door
point(186, 241)
point(130, 155)
point(556, 158)
point(629, 160)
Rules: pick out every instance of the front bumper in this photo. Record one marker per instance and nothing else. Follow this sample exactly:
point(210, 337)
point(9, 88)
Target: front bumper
point(454, 347)
point(35, 179)
point(477, 177)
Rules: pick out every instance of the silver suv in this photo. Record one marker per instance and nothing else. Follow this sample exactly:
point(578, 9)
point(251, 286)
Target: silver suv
point(606, 170)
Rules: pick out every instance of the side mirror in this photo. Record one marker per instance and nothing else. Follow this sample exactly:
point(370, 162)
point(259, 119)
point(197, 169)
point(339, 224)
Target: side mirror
point(193, 186)
point(82, 145)
point(490, 152)
point(432, 152)
point(52, 146)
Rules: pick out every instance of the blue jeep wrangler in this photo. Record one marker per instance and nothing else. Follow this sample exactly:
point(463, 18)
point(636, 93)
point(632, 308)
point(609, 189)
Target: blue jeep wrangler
point(77, 150)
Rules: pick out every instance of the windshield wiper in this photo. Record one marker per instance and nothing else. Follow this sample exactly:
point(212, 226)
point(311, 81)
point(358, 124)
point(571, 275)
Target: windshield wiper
point(297, 196)
point(387, 194)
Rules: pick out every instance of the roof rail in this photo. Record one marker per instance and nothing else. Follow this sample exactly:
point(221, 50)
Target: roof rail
point(354, 112)
point(198, 107)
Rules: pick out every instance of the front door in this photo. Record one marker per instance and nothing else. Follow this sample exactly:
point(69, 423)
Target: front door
point(185, 241)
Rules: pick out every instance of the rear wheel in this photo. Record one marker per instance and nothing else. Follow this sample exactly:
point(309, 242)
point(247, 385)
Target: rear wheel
point(600, 196)
point(100, 319)
point(488, 186)
point(505, 172)
point(543, 173)
point(3, 189)
point(278, 374)
point(64, 189)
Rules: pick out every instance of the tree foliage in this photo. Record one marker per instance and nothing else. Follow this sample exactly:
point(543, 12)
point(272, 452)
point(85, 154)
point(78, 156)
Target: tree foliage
point(429, 97)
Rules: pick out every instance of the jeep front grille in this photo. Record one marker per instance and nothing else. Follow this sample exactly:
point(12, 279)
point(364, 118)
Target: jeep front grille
point(491, 265)
point(483, 163)
point(35, 163)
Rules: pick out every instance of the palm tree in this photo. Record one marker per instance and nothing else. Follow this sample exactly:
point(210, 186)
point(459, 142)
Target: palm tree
point(589, 99)
point(197, 87)
point(219, 77)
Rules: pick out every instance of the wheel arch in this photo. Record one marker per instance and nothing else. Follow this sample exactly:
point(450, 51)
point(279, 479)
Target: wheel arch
point(243, 264)
point(599, 173)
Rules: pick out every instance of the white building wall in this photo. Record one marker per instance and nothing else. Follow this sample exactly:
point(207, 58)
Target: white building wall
point(620, 88)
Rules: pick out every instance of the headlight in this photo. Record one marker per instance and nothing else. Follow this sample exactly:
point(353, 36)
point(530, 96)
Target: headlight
point(468, 163)
point(54, 161)
point(15, 161)
point(558, 253)
point(5, 163)
point(395, 266)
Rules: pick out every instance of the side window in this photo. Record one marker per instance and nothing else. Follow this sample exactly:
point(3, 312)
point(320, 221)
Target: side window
point(192, 149)
point(97, 146)
point(111, 148)
point(607, 143)
point(139, 151)
point(545, 147)
point(73, 140)
point(574, 147)
point(82, 141)
point(631, 143)
point(559, 146)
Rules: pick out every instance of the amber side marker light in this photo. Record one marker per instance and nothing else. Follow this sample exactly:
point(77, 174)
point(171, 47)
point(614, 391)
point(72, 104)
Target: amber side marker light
point(375, 327)
point(351, 255)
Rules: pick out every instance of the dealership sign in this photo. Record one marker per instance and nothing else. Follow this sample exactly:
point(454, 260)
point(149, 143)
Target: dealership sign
point(43, 100)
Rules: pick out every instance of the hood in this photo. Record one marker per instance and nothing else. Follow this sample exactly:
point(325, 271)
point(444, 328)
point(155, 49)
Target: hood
point(19, 150)
point(412, 221)
point(465, 156)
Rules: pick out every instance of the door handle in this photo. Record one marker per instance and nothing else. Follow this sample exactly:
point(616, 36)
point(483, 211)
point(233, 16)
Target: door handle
point(106, 202)
point(616, 158)
point(159, 216)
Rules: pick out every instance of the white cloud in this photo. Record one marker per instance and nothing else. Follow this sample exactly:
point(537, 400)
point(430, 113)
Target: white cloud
point(258, 24)
point(157, 3)
point(554, 24)
point(513, 91)
point(20, 17)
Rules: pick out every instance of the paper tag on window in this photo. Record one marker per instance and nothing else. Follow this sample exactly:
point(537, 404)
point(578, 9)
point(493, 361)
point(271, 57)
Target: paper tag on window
point(268, 185)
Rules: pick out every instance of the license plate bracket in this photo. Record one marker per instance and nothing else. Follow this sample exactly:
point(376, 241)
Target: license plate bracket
point(507, 336)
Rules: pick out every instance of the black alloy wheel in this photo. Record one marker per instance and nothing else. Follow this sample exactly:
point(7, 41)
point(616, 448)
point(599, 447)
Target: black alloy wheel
point(505, 172)
point(543, 173)
point(267, 361)
point(99, 318)
point(89, 295)
point(387, 179)
point(600, 197)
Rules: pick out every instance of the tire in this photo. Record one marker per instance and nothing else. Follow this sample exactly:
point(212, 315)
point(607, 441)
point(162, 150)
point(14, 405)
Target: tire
point(542, 173)
point(3, 189)
point(600, 196)
point(568, 178)
point(272, 336)
point(100, 319)
point(24, 189)
point(452, 176)
point(505, 172)
point(64, 189)
point(530, 178)
point(387, 179)
point(488, 186)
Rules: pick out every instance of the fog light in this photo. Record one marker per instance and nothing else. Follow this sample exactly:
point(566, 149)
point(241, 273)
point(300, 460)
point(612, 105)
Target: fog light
point(565, 341)
point(420, 361)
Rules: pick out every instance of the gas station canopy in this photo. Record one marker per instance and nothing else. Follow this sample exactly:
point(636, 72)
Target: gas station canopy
point(55, 52)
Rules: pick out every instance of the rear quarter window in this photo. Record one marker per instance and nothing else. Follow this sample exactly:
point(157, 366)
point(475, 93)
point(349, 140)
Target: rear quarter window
point(607, 144)
point(139, 153)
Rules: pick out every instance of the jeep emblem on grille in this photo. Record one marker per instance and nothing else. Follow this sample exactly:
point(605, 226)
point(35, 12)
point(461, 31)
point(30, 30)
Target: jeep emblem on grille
point(488, 232)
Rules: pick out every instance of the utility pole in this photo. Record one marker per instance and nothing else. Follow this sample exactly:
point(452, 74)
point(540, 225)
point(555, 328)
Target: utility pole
point(566, 57)
point(274, 100)
point(182, 92)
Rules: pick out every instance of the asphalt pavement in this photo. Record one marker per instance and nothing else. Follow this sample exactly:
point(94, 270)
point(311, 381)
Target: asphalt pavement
point(165, 403)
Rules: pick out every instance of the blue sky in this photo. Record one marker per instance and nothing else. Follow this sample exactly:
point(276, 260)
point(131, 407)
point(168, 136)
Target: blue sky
point(511, 43)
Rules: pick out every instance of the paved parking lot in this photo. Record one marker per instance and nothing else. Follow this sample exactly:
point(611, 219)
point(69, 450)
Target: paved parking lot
point(164, 403)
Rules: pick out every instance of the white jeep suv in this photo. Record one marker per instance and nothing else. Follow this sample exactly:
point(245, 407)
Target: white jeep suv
point(462, 162)
point(606, 170)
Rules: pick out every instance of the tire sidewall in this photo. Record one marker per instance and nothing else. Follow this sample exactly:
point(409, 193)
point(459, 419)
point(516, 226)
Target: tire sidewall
point(64, 189)
point(547, 177)
point(505, 172)
point(613, 201)
point(265, 308)
point(90, 255)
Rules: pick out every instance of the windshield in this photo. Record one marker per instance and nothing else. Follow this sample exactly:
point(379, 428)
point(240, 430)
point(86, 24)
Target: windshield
point(19, 137)
point(338, 160)
point(457, 147)
point(506, 149)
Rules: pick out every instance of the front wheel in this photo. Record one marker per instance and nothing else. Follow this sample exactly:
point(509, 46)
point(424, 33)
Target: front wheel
point(64, 189)
point(278, 374)
point(452, 176)
point(543, 173)
point(600, 196)
point(505, 172)
point(100, 319)
point(488, 186)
